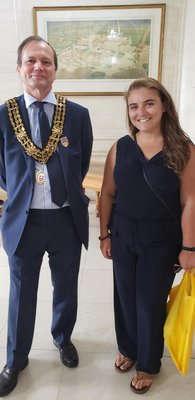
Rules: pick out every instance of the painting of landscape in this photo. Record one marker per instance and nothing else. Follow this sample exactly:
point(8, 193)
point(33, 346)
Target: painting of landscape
point(101, 49)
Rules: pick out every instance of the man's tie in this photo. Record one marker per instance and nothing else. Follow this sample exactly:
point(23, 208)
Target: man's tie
point(57, 184)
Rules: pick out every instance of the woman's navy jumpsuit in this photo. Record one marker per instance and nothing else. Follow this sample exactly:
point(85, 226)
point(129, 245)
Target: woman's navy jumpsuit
point(146, 241)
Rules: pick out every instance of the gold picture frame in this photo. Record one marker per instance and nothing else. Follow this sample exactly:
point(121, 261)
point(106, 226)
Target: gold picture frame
point(101, 49)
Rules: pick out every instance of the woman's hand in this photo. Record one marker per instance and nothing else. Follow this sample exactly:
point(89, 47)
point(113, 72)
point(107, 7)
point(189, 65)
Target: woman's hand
point(105, 246)
point(187, 259)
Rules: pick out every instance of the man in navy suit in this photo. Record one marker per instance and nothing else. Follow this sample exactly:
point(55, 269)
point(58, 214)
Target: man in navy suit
point(42, 213)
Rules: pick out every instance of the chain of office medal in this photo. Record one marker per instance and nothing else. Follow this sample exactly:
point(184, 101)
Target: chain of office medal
point(40, 155)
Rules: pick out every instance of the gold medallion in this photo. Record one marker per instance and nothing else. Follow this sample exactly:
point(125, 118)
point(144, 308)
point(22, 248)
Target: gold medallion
point(40, 155)
point(40, 177)
point(64, 141)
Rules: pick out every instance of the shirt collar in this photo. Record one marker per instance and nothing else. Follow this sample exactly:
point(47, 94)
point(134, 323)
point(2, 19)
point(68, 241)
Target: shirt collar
point(50, 98)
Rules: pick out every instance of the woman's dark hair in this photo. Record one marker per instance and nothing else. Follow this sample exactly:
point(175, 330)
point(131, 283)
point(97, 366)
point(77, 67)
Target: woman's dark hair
point(34, 38)
point(176, 147)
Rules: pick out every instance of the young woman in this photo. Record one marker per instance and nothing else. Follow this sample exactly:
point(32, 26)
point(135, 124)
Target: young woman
point(147, 224)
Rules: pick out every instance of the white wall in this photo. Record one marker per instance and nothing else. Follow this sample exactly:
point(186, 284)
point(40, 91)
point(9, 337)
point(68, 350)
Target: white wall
point(108, 112)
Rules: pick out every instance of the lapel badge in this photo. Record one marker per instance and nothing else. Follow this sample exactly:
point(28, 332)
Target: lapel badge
point(64, 141)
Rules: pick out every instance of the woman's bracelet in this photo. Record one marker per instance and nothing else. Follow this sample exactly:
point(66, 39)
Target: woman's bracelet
point(186, 248)
point(104, 237)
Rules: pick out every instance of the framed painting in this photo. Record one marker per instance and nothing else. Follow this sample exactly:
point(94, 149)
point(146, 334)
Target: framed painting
point(101, 49)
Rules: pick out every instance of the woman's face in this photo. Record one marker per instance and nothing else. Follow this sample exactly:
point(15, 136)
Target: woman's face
point(145, 109)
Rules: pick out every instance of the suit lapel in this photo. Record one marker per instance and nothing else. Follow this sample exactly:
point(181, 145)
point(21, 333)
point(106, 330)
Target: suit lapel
point(64, 154)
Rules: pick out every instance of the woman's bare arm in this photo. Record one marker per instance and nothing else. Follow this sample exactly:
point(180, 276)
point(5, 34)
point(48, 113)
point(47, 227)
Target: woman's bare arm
point(187, 258)
point(106, 201)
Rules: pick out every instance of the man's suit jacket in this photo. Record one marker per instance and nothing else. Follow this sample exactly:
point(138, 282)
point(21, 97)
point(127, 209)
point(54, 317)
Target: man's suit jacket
point(17, 172)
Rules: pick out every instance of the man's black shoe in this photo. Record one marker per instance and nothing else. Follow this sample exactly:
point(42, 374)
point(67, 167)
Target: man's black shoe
point(68, 354)
point(9, 379)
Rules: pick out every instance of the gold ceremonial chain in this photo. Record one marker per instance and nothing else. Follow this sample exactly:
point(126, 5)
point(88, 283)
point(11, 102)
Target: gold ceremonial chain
point(40, 155)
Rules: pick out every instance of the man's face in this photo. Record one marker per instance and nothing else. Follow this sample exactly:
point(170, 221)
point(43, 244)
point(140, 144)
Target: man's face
point(37, 69)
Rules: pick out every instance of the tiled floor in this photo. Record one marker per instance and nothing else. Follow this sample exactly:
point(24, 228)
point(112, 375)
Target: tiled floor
point(46, 378)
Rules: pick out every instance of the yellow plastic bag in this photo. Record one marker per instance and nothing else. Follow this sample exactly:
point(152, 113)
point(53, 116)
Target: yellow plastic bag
point(180, 322)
